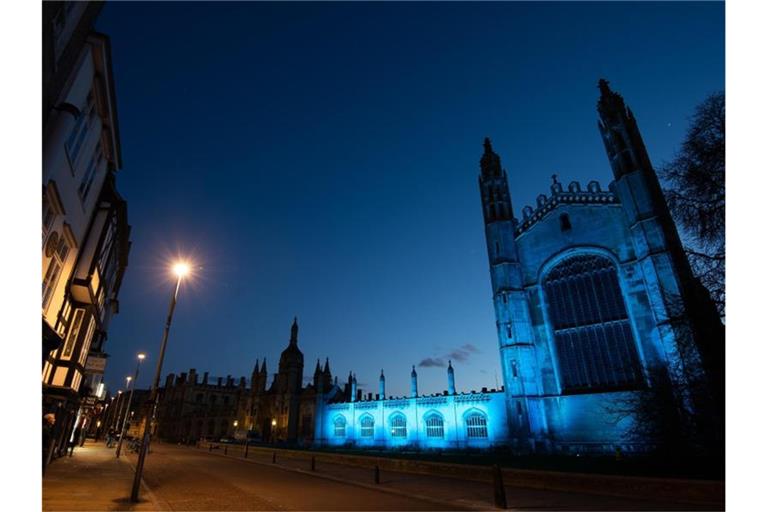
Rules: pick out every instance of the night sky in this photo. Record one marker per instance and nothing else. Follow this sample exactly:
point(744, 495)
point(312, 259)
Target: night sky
point(321, 160)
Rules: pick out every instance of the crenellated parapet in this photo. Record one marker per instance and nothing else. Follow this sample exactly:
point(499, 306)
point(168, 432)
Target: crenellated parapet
point(574, 194)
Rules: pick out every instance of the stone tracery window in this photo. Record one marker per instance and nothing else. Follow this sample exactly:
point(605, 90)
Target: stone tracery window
point(477, 426)
point(593, 338)
point(340, 426)
point(434, 424)
point(398, 426)
point(366, 426)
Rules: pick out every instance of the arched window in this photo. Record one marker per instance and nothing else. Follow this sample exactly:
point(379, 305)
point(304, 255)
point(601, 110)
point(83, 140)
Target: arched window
point(593, 338)
point(477, 426)
point(340, 426)
point(434, 424)
point(366, 426)
point(397, 426)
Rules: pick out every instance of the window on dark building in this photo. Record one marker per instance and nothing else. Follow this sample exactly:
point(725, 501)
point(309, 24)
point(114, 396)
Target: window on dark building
point(593, 338)
point(565, 222)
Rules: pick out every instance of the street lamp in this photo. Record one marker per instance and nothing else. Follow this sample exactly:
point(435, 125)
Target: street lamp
point(181, 269)
point(140, 356)
point(116, 417)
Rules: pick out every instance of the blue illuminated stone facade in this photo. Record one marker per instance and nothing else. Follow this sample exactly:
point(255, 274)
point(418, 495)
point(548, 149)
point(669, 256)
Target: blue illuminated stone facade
point(595, 303)
point(597, 311)
point(447, 421)
point(594, 299)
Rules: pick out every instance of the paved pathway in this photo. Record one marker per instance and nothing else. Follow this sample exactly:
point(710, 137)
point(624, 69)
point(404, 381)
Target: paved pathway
point(92, 479)
point(185, 478)
point(183, 475)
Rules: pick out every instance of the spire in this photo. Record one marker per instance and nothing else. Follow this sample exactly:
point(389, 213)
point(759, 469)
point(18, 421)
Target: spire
point(451, 380)
point(327, 368)
point(264, 366)
point(382, 394)
point(621, 136)
point(490, 163)
point(256, 366)
point(413, 370)
point(414, 386)
point(295, 331)
point(317, 367)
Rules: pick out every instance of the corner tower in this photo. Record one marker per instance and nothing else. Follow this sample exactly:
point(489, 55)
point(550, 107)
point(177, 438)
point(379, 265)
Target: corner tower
point(513, 322)
point(689, 332)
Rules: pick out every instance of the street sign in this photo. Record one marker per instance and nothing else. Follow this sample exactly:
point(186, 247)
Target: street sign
point(95, 364)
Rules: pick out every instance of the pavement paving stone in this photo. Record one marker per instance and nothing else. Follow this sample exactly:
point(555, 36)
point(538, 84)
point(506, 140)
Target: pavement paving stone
point(92, 479)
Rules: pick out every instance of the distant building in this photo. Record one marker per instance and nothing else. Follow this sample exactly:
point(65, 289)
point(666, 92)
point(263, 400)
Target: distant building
point(190, 409)
point(85, 231)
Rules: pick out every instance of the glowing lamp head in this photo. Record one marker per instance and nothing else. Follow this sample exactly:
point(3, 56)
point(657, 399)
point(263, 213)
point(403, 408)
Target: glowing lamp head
point(274, 422)
point(234, 423)
point(129, 378)
point(181, 269)
point(141, 356)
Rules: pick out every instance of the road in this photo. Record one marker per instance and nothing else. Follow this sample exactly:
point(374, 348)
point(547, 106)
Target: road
point(185, 478)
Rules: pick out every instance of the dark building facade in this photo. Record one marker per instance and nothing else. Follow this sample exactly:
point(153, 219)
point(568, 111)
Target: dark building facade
point(85, 231)
point(281, 410)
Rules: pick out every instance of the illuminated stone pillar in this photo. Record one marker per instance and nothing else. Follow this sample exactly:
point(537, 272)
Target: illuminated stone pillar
point(451, 380)
point(382, 395)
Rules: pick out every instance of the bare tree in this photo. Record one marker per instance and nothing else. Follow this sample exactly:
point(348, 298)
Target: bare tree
point(696, 194)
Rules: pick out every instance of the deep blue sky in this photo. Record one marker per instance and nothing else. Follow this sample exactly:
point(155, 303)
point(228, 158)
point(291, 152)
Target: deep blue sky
point(321, 160)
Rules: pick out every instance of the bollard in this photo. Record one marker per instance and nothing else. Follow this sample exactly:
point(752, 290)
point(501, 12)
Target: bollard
point(312, 464)
point(376, 474)
point(245, 455)
point(274, 457)
point(225, 449)
point(499, 495)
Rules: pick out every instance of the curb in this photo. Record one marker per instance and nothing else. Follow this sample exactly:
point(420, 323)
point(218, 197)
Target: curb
point(450, 505)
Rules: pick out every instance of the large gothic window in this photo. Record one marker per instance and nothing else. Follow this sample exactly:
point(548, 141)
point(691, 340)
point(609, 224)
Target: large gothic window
point(434, 425)
point(477, 426)
point(340, 426)
point(398, 426)
point(593, 338)
point(366, 426)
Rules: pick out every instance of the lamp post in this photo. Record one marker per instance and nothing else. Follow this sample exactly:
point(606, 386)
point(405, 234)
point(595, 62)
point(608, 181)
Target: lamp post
point(119, 411)
point(140, 358)
point(180, 269)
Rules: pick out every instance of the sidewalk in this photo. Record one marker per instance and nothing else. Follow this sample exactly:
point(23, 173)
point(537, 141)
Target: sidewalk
point(92, 479)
